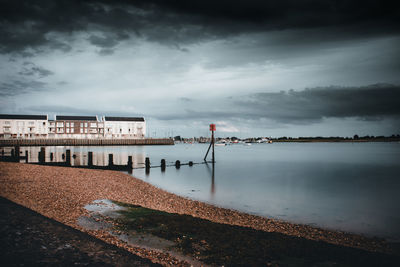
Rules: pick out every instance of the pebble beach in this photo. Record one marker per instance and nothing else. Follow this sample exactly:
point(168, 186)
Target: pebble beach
point(60, 193)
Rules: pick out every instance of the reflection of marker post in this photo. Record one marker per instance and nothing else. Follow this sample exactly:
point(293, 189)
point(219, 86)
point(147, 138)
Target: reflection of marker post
point(212, 129)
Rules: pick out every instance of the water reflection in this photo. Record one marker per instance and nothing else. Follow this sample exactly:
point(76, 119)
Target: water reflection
point(211, 172)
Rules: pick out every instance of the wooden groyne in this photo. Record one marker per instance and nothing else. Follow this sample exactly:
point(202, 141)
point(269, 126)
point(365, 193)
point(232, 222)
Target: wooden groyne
point(15, 156)
point(85, 142)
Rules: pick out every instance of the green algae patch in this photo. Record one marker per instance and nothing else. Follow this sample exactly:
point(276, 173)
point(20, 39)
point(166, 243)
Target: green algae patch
point(228, 245)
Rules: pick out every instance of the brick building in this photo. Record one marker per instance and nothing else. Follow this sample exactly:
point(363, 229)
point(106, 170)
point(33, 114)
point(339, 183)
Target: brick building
point(76, 127)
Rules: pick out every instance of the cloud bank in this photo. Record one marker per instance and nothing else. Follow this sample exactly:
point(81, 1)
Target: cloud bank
point(32, 24)
point(314, 104)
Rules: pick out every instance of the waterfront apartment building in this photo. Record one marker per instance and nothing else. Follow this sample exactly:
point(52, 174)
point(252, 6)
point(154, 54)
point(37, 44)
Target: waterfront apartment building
point(75, 127)
point(23, 126)
point(81, 127)
point(124, 127)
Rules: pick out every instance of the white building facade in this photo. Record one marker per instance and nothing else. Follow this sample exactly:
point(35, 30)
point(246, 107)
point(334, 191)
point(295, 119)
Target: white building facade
point(23, 126)
point(124, 127)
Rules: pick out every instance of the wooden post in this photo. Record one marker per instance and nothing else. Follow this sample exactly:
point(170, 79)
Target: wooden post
point(212, 129)
point(26, 156)
point(90, 159)
point(163, 165)
point(68, 157)
point(17, 153)
point(42, 154)
point(130, 164)
point(110, 159)
point(213, 141)
point(177, 164)
point(147, 165)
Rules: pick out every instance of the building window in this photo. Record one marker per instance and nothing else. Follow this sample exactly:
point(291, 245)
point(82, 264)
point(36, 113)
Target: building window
point(67, 124)
point(85, 124)
point(67, 130)
point(7, 122)
point(85, 130)
point(60, 124)
point(72, 124)
point(93, 124)
point(72, 130)
point(31, 123)
point(81, 130)
point(81, 124)
point(44, 123)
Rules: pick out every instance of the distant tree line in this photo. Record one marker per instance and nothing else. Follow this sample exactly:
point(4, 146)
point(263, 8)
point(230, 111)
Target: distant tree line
point(393, 137)
point(356, 137)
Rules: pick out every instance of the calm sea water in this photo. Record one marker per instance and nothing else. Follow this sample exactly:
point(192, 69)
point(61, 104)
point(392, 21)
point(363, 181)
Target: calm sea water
point(351, 187)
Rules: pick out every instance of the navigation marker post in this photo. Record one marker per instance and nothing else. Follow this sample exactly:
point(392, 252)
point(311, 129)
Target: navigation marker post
point(212, 129)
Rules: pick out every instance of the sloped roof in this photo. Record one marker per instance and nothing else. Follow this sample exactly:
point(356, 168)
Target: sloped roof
point(76, 118)
point(22, 117)
point(107, 118)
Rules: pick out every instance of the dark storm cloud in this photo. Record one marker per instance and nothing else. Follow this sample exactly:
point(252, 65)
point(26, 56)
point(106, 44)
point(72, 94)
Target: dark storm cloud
point(106, 52)
point(191, 114)
point(283, 14)
point(30, 69)
point(19, 87)
point(373, 102)
point(108, 40)
point(27, 24)
point(311, 105)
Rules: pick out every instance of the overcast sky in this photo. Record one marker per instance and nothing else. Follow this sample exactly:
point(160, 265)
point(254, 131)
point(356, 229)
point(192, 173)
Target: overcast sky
point(253, 67)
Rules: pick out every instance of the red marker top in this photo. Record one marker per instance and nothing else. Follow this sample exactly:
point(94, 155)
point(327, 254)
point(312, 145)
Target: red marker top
point(212, 127)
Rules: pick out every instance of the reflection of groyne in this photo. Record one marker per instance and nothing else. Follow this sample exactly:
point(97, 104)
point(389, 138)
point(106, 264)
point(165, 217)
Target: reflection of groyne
point(85, 142)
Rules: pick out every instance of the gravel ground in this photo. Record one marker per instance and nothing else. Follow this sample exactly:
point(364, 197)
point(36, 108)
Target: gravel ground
point(30, 239)
point(61, 193)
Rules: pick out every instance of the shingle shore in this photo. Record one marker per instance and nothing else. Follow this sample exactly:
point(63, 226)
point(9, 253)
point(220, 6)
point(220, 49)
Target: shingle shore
point(61, 193)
